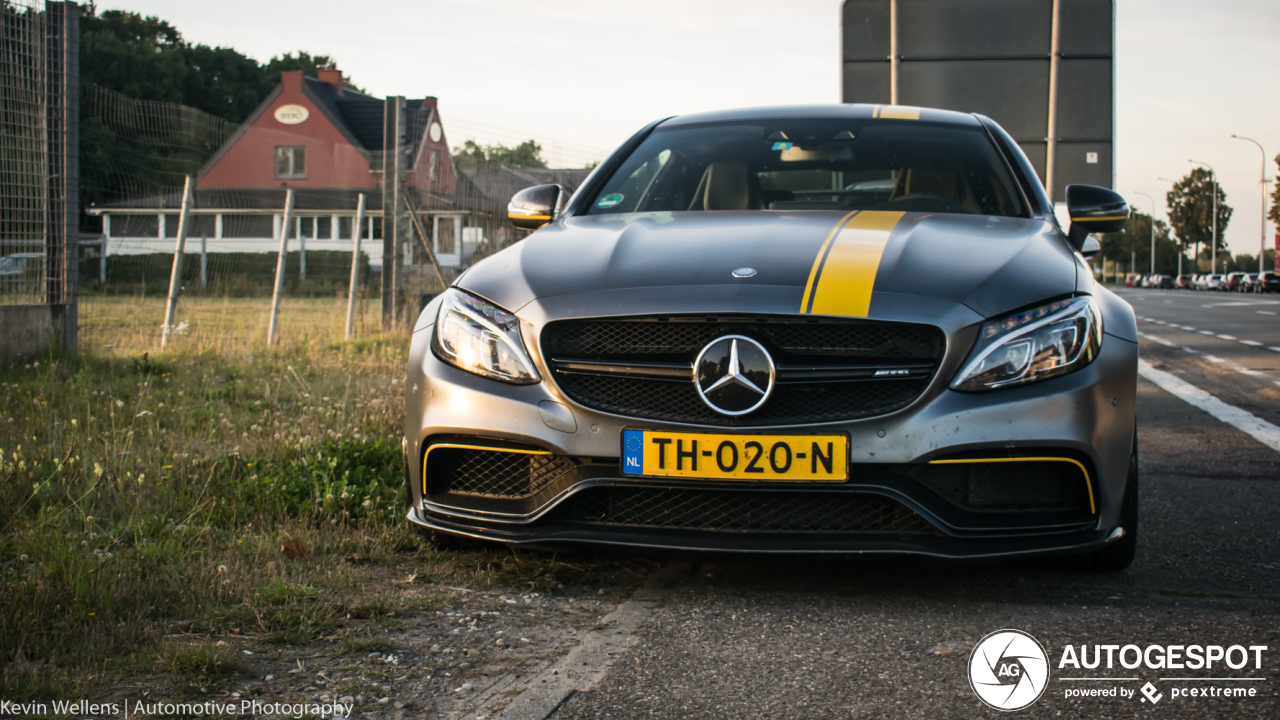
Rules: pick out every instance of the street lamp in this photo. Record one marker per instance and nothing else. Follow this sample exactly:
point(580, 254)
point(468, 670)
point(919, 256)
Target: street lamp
point(1213, 235)
point(1153, 229)
point(1262, 183)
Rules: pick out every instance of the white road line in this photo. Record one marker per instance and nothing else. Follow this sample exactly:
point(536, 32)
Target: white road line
point(1227, 337)
point(1193, 352)
point(1257, 428)
point(1265, 312)
point(1213, 358)
point(1254, 343)
point(1274, 349)
point(1206, 332)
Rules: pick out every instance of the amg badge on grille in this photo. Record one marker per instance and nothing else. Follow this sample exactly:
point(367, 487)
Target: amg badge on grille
point(734, 375)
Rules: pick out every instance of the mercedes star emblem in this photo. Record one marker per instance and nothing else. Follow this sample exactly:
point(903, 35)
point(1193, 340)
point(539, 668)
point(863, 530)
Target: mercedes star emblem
point(734, 375)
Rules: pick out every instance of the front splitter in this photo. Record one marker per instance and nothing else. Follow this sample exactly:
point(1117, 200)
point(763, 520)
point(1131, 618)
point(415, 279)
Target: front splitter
point(559, 537)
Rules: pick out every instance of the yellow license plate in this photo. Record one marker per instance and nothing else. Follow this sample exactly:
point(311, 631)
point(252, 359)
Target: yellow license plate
point(762, 458)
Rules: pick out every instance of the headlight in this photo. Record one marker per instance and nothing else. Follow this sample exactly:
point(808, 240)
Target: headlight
point(480, 337)
point(1038, 344)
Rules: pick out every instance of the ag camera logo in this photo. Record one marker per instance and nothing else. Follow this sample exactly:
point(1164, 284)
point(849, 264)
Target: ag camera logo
point(1009, 670)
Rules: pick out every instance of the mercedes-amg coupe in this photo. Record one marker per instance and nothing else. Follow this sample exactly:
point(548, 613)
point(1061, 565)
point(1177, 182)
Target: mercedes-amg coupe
point(852, 328)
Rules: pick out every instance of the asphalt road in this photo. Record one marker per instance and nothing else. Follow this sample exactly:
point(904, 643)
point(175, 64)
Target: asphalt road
point(822, 638)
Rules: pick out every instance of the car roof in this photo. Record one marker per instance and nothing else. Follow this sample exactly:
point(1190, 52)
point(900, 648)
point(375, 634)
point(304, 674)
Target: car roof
point(824, 112)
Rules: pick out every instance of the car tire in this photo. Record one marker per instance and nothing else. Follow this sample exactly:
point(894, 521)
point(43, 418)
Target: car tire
point(1118, 555)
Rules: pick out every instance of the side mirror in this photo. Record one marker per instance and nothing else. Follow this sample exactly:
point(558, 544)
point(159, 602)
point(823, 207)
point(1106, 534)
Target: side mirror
point(1094, 210)
point(534, 207)
point(1091, 247)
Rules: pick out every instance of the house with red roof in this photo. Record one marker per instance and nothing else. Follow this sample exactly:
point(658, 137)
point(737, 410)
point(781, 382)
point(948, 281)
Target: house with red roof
point(327, 142)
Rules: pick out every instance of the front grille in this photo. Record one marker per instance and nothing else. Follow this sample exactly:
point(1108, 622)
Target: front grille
point(792, 339)
point(797, 345)
point(492, 473)
point(741, 511)
point(789, 405)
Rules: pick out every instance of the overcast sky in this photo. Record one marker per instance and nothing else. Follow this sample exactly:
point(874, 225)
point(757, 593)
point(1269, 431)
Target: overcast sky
point(1189, 73)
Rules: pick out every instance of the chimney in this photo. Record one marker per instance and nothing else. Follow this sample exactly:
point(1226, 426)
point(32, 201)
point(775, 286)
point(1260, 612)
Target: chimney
point(333, 77)
point(429, 103)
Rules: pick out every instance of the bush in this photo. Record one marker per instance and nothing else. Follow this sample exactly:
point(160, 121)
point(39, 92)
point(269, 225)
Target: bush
point(230, 274)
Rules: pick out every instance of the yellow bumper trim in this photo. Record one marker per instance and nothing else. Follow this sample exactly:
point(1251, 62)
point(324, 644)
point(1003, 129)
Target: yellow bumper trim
point(1093, 507)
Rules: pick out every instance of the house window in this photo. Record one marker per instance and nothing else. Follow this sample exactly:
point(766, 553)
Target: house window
point(435, 164)
point(291, 162)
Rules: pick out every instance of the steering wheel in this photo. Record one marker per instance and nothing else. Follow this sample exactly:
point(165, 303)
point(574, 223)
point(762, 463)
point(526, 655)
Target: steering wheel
point(928, 197)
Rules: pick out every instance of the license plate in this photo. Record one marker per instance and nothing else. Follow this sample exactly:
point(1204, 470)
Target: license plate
point(761, 458)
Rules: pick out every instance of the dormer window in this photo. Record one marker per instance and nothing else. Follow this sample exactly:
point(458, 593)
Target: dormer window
point(291, 162)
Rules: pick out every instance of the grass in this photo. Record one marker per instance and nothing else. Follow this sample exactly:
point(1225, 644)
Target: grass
point(146, 497)
point(147, 493)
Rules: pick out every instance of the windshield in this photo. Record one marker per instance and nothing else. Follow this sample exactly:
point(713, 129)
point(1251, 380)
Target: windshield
point(855, 164)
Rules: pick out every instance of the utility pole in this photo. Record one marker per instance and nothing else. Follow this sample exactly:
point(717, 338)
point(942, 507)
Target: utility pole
point(1213, 236)
point(1051, 139)
point(1262, 185)
point(893, 52)
point(1153, 230)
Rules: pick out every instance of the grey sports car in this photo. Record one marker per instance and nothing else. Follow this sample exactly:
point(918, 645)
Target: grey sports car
point(852, 328)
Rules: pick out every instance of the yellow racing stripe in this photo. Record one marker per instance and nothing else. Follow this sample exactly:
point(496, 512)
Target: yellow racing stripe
point(899, 112)
point(845, 273)
point(817, 261)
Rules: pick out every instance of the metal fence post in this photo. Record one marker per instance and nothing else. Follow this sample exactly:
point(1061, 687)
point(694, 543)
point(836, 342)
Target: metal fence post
point(355, 267)
point(175, 279)
point(284, 249)
point(302, 252)
point(392, 199)
point(204, 262)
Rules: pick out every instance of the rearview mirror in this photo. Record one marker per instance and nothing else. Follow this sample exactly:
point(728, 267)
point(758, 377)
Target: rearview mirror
point(1094, 210)
point(534, 207)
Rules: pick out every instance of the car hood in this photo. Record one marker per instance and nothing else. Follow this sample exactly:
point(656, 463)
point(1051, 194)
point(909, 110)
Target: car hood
point(856, 265)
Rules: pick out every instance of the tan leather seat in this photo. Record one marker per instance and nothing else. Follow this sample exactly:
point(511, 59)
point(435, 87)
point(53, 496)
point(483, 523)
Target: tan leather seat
point(934, 182)
point(724, 186)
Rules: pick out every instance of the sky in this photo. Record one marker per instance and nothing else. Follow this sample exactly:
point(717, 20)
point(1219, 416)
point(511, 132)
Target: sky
point(581, 76)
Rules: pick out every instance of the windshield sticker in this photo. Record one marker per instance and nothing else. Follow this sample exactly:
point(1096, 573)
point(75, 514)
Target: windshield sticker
point(609, 201)
point(782, 146)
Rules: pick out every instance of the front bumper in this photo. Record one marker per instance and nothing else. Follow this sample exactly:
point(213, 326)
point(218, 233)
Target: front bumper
point(1086, 416)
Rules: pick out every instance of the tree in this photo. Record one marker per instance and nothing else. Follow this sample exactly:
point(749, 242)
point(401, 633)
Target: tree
point(1191, 210)
point(1134, 244)
point(146, 58)
point(142, 57)
point(1274, 214)
point(309, 64)
point(527, 154)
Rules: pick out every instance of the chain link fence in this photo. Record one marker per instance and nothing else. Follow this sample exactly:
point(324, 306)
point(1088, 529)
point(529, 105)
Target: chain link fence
point(358, 209)
point(39, 45)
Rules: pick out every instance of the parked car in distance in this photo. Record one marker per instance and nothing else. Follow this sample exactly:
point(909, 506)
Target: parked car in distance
point(1131, 281)
point(1213, 282)
point(1164, 282)
point(1183, 282)
point(1267, 282)
point(21, 271)
point(1232, 281)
